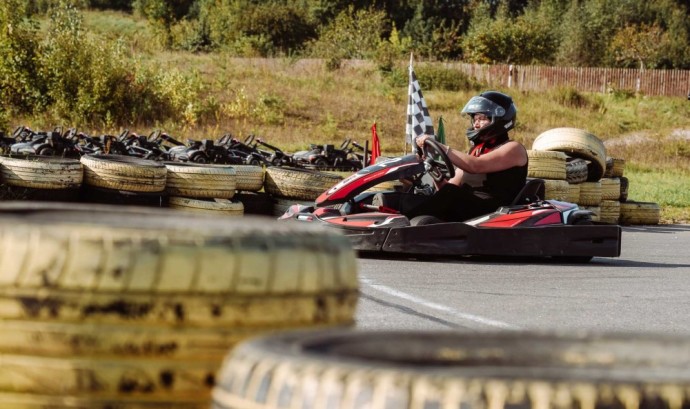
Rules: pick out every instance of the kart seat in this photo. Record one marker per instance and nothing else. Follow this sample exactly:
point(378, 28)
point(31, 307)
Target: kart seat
point(531, 192)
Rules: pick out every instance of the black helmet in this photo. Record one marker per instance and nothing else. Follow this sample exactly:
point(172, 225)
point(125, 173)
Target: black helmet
point(499, 107)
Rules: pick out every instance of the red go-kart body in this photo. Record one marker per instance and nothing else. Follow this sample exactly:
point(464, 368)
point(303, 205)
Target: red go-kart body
point(530, 226)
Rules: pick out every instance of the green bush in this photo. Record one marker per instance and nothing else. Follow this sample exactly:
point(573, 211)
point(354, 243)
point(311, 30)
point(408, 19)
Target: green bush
point(433, 77)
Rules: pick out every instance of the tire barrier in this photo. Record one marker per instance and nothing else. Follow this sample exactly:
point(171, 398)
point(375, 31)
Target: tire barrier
point(300, 184)
point(576, 143)
point(614, 167)
point(126, 173)
point(546, 165)
point(41, 172)
point(108, 306)
point(590, 193)
point(221, 207)
point(200, 181)
point(405, 369)
point(641, 213)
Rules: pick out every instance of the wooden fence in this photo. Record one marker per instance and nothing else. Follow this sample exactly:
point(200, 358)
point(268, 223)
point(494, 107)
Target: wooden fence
point(539, 78)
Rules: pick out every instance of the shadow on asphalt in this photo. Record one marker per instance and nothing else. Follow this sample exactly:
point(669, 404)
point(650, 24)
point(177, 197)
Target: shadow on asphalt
point(660, 228)
point(521, 260)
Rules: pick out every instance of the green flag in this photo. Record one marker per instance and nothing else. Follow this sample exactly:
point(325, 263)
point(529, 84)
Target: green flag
point(441, 136)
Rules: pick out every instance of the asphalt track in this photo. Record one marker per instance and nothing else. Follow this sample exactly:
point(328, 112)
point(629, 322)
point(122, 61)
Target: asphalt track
point(646, 289)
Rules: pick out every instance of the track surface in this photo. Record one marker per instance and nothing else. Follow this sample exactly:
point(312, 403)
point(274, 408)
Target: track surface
point(646, 289)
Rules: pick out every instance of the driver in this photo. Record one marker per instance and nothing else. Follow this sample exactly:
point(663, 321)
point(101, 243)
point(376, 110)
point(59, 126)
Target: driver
point(491, 174)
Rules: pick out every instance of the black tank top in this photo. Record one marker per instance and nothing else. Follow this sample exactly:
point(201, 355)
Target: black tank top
point(504, 185)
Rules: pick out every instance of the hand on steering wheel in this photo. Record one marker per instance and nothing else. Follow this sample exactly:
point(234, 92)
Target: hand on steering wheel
point(437, 161)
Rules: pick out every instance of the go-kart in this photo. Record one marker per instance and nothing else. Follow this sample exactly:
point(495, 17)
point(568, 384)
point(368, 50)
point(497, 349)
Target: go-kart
point(530, 226)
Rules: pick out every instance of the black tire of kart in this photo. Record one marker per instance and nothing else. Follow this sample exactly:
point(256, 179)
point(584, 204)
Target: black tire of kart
point(640, 213)
point(138, 270)
point(256, 203)
point(576, 170)
point(118, 172)
point(556, 190)
point(281, 205)
point(221, 207)
point(200, 181)
point(399, 369)
point(41, 172)
point(546, 165)
point(249, 178)
point(299, 184)
point(576, 143)
point(596, 211)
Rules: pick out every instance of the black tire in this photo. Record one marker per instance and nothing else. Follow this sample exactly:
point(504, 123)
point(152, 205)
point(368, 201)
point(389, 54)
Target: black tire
point(444, 369)
point(321, 164)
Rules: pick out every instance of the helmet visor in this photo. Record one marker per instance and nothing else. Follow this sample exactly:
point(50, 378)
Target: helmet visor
point(481, 105)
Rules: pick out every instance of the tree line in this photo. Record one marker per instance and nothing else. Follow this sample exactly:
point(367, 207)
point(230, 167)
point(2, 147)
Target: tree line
point(51, 65)
point(594, 33)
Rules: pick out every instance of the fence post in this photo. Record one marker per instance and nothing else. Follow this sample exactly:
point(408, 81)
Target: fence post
point(510, 75)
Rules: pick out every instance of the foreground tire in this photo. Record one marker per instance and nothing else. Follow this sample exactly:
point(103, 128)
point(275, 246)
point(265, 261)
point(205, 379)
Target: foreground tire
point(632, 212)
point(384, 369)
point(576, 143)
point(106, 305)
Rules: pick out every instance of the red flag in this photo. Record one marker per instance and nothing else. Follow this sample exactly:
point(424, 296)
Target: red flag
point(375, 145)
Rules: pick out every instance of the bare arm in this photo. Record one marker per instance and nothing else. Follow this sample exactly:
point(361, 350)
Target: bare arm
point(506, 156)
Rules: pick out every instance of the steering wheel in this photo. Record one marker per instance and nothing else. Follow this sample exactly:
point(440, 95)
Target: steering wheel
point(345, 144)
point(437, 162)
point(249, 139)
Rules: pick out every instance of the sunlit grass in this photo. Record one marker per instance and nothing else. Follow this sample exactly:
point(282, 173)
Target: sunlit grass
point(669, 188)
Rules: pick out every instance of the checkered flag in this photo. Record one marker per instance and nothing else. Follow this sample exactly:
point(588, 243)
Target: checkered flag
point(418, 119)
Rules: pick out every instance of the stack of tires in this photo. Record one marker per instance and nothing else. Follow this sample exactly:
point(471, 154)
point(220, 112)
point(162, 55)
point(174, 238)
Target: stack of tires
point(290, 186)
point(106, 306)
point(576, 169)
point(202, 188)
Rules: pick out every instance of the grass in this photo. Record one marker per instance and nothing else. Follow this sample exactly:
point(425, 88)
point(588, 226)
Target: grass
point(291, 103)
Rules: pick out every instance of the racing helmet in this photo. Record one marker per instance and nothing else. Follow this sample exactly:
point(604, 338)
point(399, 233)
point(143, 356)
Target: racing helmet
point(495, 105)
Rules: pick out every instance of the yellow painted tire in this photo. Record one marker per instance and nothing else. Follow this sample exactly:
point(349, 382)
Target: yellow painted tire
point(590, 193)
point(546, 165)
point(300, 184)
point(640, 213)
point(118, 172)
point(556, 190)
point(148, 300)
point(615, 167)
point(398, 369)
point(222, 207)
point(41, 172)
point(576, 143)
point(250, 178)
point(610, 211)
point(200, 181)
point(610, 188)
